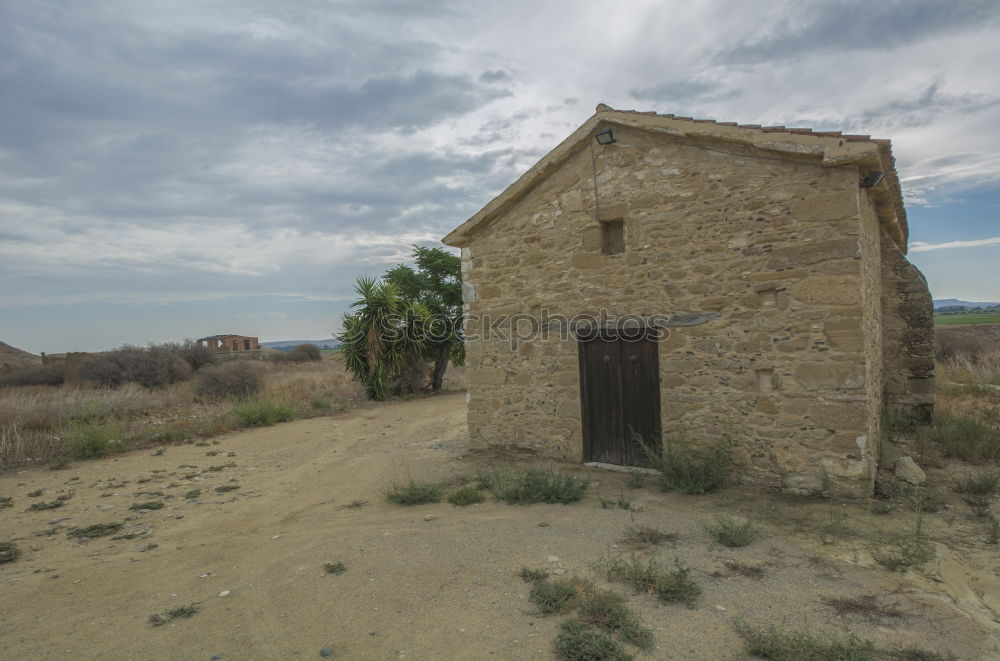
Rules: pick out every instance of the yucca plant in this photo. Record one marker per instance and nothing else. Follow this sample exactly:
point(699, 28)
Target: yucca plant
point(386, 333)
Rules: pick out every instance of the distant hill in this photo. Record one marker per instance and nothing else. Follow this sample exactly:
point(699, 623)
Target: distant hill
point(16, 357)
point(288, 345)
point(956, 304)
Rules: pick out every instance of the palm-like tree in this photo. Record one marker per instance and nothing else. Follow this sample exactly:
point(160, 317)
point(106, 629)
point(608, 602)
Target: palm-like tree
point(385, 334)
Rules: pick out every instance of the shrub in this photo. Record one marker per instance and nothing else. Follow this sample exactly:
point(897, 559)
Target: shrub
point(413, 493)
point(963, 438)
point(153, 367)
point(263, 412)
point(9, 552)
point(304, 353)
point(557, 596)
point(334, 568)
point(531, 575)
point(238, 379)
point(466, 496)
point(639, 537)
point(690, 470)
point(733, 531)
point(96, 530)
point(608, 611)
point(45, 375)
point(90, 440)
point(577, 642)
point(532, 485)
point(778, 645)
point(669, 585)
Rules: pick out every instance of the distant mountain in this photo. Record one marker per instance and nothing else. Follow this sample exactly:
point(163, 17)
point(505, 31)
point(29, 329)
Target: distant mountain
point(288, 345)
point(956, 303)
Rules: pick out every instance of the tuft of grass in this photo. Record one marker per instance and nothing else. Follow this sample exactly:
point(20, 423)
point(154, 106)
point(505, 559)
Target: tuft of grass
point(466, 496)
point(779, 645)
point(182, 612)
point(6, 501)
point(649, 576)
point(577, 642)
point(413, 493)
point(90, 440)
point(919, 654)
point(641, 537)
point(263, 412)
point(909, 549)
point(690, 470)
point(227, 487)
point(868, 606)
point(983, 483)
point(558, 596)
point(320, 404)
point(192, 494)
point(533, 575)
point(334, 568)
point(744, 569)
point(618, 503)
point(9, 552)
point(38, 507)
point(733, 531)
point(964, 438)
point(35, 494)
point(148, 505)
point(96, 530)
point(531, 485)
point(636, 479)
point(993, 535)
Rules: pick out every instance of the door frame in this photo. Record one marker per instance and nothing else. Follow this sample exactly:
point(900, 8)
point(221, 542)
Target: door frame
point(612, 332)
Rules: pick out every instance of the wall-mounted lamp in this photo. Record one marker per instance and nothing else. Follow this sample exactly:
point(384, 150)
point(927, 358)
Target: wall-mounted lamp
point(872, 178)
point(605, 137)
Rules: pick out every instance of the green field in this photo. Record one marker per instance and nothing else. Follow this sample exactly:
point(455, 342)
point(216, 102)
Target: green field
point(962, 319)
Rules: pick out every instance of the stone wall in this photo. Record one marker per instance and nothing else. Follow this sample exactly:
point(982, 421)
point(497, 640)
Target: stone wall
point(908, 319)
point(769, 246)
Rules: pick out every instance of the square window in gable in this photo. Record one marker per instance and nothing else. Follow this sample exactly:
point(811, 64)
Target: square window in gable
point(613, 237)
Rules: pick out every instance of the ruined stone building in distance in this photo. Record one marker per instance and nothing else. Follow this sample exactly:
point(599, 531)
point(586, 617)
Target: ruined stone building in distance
point(688, 280)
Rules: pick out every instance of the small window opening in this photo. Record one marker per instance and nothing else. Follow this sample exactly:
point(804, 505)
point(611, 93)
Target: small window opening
point(612, 237)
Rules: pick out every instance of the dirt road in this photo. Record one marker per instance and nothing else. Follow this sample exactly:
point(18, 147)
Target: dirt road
point(424, 582)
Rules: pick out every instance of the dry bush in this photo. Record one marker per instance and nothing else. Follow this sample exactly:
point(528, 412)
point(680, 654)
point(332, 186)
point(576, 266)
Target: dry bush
point(153, 367)
point(301, 354)
point(238, 379)
point(44, 375)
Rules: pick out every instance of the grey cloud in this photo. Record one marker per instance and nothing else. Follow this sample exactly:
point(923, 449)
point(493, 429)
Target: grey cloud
point(498, 76)
point(822, 26)
point(686, 91)
point(925, 107)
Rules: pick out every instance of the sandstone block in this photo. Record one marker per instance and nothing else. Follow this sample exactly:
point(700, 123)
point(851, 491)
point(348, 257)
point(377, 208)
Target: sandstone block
point(908, 471)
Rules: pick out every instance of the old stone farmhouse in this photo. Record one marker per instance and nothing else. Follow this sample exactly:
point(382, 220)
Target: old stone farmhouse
point(669, 277)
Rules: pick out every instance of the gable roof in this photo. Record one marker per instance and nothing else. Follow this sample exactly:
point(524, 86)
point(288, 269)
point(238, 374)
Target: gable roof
point(832, 148)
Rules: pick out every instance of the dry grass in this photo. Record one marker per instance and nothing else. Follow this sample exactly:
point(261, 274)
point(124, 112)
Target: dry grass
point(36, 422)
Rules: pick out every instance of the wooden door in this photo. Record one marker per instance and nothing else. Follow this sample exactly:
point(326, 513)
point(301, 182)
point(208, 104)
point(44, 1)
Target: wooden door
point(620, 396)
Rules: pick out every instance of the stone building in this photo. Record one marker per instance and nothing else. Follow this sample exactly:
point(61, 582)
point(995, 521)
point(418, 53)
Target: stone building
point(230, 343)
point(685, 280)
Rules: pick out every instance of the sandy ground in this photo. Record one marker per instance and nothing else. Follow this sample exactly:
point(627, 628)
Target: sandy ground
point(424, 582)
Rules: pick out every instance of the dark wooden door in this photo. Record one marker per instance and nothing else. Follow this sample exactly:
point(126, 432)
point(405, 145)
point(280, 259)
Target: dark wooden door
point(620, 396)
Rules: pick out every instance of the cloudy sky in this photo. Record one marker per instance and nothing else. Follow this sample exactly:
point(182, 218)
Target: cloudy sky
point(178, 169)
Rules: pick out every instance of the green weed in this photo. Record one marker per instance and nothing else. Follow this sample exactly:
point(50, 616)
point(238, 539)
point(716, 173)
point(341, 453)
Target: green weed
point(37, 507)
point(413, 493)
point(263, 412)
point(9, 552)
point(334, 568)
point(148, 505)
point(776, 644)
point(90, 440)
point(577, 642)
point(690, 470)
point(531, 485)
point(533, 575)
point(641, 537)
point(733, 531)
point(668, 584)
point(466, 496)
point(96, 530)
